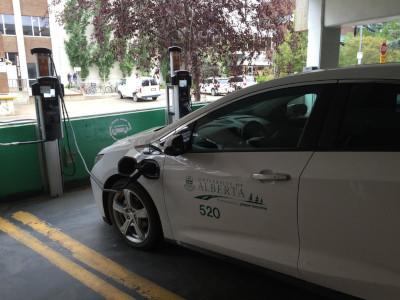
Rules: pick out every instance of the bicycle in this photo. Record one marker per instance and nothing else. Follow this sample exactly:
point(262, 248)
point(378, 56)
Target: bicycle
point(108, 88)
point(90, 90)
point(100, 89)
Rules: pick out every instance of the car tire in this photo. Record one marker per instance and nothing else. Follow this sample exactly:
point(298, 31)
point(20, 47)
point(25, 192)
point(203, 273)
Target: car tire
point(135, 97)
point(120, 95)
point(213, 92)
point(134, 216)
point(154, 98)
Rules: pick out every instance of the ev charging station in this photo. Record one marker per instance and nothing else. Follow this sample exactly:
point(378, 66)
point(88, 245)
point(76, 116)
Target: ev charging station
point(47, 92)
point(181, 82)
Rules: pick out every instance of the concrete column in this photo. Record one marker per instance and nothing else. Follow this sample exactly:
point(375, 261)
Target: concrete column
point(323, 42)
point(20, 39)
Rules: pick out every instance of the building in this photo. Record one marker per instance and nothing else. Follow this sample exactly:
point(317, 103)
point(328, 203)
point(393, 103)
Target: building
point(24, 24)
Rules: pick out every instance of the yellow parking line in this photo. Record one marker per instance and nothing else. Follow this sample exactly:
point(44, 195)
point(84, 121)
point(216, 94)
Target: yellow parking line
point(97, 261)
point(97, 284)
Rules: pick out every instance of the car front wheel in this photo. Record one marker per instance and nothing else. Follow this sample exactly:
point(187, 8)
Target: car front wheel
point(134, 216)
point(120, 95)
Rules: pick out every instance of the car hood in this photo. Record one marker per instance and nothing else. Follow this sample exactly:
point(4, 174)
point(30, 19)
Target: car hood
point(141, 138)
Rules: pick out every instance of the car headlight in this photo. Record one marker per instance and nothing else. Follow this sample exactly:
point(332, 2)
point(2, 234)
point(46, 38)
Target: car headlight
point(98, 157)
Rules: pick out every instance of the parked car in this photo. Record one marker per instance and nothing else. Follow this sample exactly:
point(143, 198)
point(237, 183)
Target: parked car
point(300, 175)
point(240, 82)
point(139, 88)
point(214, 86)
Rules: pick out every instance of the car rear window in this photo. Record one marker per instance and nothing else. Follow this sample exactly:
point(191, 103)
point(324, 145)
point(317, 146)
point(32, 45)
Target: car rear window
point(147, 82)
point(250, 79)
point(223, 81)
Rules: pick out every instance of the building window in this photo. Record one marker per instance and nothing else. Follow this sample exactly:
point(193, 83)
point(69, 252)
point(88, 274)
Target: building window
point(12, 56)
point(7, 24)
point(35, 26)
point(27, 25)
point(31, 73)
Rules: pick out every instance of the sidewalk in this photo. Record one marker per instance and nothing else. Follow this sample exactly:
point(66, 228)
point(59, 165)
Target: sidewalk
point(91, 105)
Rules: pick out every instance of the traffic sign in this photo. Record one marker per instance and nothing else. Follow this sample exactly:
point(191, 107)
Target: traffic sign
point(383, 59)
point(383, 48)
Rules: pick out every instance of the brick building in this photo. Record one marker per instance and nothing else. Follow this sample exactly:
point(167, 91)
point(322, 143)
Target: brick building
point(3, 71)
point(24, 24)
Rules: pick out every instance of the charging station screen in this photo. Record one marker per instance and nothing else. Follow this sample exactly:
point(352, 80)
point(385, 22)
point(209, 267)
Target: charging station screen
point(47, 92)
point(183, 83)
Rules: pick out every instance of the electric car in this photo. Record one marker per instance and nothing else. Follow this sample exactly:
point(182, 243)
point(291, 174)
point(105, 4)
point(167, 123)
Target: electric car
point(300, 175)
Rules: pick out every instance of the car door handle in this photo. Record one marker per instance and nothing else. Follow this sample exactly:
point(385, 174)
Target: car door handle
point(270, 177)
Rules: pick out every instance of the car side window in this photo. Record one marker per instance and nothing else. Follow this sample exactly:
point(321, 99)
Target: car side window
point(267, 121)
point(371, 120)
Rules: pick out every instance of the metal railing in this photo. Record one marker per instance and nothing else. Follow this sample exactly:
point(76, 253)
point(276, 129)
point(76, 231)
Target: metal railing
point(16, 85)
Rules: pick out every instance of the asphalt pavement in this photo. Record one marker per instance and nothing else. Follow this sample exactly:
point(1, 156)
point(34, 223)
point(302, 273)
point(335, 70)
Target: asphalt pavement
point(60, 248)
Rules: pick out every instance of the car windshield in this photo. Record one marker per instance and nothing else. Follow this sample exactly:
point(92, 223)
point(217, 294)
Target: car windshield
point(250, 79)
point(223, 81)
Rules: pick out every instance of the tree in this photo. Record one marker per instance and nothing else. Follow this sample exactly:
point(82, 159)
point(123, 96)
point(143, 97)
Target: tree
point(126, 63)
point(388, 30)
point(102, 56)
point(371, 51)
point(292, 53)
point(75, 19)
point(214, 30)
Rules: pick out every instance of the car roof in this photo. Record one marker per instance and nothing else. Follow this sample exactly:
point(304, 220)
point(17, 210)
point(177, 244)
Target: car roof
point(240, 76)
point(389, 71)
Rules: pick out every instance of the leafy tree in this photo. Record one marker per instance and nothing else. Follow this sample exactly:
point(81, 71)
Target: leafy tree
point(214, 30)
point(102, 56)
point(371, 51)
point(388, 30)
point(126, 64)
point(292, 53)
point(75, 19)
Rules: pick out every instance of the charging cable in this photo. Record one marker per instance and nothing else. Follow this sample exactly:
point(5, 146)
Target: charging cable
point(22, 143)
point(64, 108)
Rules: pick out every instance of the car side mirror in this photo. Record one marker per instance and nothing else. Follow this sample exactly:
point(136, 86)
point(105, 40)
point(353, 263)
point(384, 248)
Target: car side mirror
point(174, 145)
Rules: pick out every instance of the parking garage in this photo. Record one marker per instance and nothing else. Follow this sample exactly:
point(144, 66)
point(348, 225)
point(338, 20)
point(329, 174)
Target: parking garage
point(59, 247)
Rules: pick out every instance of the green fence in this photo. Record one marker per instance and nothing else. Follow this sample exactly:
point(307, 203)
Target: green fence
point(21, 174)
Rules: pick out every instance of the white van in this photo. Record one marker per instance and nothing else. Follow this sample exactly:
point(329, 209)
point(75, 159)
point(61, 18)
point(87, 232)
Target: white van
point(139, 88)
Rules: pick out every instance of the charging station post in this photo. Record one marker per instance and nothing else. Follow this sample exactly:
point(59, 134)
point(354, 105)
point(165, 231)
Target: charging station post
point(47, 92)
point(181, 82)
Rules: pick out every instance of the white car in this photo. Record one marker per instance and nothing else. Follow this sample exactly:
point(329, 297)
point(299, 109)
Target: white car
point(300, 175)
point(240, 82)
point(214, 86)
point(139, 88)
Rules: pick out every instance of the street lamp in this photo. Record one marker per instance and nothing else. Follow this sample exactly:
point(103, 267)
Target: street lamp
point(359, 53)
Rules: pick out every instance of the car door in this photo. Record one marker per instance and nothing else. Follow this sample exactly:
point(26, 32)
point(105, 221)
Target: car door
point(349, 195)
point(235, 190)
point(122, 87)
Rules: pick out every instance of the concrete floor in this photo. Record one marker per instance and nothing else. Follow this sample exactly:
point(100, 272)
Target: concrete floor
point(25, 274)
